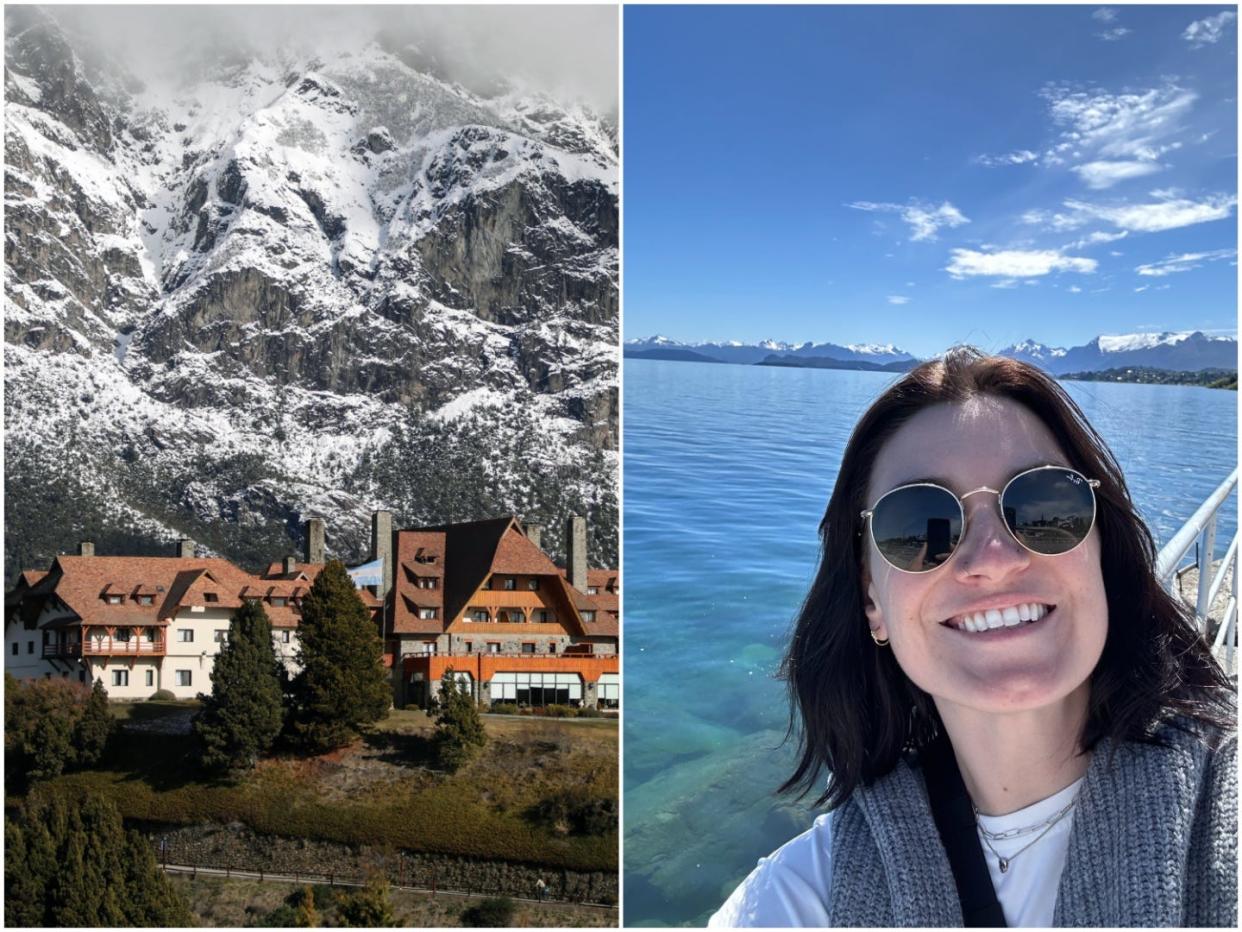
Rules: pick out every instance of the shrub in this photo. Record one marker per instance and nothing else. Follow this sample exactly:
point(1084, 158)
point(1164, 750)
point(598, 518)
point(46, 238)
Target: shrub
point(588, 712)
point(368, 908)
point(504, 708)
point(560, 711)
point(576, 812)
point(459, 731)
point(161, 695)
point(495, 912)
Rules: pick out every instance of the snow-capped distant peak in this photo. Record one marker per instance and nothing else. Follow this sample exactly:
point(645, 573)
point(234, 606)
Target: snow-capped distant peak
point(1122, 343)
point(876, 349)
point(1035, 349)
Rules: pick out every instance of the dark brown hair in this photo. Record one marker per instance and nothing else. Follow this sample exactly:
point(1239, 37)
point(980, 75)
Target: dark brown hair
point(854, 711)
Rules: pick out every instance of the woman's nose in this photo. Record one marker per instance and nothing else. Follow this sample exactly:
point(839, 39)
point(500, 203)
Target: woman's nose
point(987, 549)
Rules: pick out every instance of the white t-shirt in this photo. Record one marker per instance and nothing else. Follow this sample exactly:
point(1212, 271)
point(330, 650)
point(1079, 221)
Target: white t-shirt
point(789, 888)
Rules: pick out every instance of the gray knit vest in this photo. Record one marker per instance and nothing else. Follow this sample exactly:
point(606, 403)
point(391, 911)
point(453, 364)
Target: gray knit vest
point(1154, 842)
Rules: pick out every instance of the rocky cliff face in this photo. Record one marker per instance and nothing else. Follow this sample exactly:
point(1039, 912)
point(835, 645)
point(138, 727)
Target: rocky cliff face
point(231, 302)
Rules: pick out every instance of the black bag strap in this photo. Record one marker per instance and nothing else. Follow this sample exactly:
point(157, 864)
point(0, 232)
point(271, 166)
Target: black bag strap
point(955, 820)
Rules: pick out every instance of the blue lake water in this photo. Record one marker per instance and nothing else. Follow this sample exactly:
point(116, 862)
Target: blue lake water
point(727, 473)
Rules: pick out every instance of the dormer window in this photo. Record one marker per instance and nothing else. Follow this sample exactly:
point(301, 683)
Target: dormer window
point(146, 600)
point(479, 614)
point(510, 583)
point(114, 599)
point(425, 558)
point(279, 601)
point(427, 582)
point(533, 583)
point(210, 597)
point(592, 590)
point(588, 616)
point(427, 613)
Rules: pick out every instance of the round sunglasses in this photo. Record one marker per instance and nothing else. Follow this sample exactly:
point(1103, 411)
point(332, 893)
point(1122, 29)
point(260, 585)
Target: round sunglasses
point(1049, 510)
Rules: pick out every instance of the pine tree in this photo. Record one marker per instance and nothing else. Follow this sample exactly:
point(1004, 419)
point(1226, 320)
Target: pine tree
point(70, 862)
point(94, 728)
point(459, 731)
point(306, 916)
point(342, 684)
point(242, 717)
point(40, 720)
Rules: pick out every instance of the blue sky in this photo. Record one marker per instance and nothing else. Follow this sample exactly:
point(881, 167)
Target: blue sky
point(924, 175)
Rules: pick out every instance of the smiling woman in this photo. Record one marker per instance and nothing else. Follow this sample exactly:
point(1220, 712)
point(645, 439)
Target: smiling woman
point(1021, 726)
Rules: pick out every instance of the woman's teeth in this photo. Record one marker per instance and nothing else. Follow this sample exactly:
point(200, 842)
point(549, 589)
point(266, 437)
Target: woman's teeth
point(1000, 617)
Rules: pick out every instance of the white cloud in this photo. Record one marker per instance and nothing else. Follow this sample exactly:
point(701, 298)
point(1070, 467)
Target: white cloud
point(898, 299)
point(1208, 31)
point(1166, 214)
point(1096, 238)
point(1114, 34)
point(1184, 263)
point(1099, 175)
point(1015, 263)
point(1074, 289)
point(1120, 126)
point(1019, 157)
point(1105, 14)
point(925, 220)
point(1005, 283)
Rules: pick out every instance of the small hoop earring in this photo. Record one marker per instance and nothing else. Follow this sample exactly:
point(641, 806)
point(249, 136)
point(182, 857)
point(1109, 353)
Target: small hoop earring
point(879, 642)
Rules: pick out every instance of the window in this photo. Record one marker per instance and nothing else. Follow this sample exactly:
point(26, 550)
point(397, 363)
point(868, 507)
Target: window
point(533, 583)
point(537, 689)
point(81, 676)
point(493, 647)
point(150, 677)
point(123, 635)
point(114, 600)
point(510, 583)
point(479, 614)
point(544, 615)
point(284, 637)
point(552, 647)
point(146, 600)
point(425, 558)
point(16, 648)
point(30, 647)
point(528, 648)
point(592, 590)
point(427, 582)
point(184, 678)
point(210, 597)
point(148, 635)
point(588, 616)
point(222, 635)
point(426, 613)
point(185, 635)
point(470, 647)
point(487, 583)
point(120, 677)
point(609, 691)
point(279, 601)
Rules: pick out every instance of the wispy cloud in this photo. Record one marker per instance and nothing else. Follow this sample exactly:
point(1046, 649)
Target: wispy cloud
point(898, 299)
point(1185, 262)
point(1019, 157)
point(1105, 14)
point(1099, 175)
point(1015, 263)
point(1074, 289)
point(925, 220)
point(1208, 31)
point(1096, 238)
point(1113, 35)
point(1155, 216)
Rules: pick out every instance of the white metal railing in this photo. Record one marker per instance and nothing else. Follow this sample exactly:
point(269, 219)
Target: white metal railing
point(1201, 529)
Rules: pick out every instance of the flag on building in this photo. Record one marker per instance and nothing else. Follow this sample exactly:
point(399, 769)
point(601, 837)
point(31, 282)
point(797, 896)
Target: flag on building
point(369, 574)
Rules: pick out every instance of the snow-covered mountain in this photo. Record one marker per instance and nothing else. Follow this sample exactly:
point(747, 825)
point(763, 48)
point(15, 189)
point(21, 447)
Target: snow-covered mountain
point(750, 353)
point(1185, 351)
point(299, 286)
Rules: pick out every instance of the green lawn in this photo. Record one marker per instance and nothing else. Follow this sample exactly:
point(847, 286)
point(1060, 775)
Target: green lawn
point(382, 790)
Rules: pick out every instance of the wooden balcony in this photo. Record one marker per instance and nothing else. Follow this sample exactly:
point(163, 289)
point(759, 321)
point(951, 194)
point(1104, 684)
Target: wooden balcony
point(67, 650)
point(114, 647)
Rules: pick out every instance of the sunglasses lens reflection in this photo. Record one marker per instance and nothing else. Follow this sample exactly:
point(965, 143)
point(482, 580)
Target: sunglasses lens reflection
point(1049, 510)
point(917, 528)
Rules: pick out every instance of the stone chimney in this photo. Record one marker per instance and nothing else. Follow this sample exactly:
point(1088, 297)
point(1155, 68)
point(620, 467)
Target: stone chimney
point(576, 552)
point(314, 541)
point(291, 565)
point(86, 548)
point(185, 548)
point(381, 547)
point(534, 533)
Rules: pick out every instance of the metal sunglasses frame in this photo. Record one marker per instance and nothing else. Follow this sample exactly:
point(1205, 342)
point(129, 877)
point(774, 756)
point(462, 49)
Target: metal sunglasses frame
point(866, 514)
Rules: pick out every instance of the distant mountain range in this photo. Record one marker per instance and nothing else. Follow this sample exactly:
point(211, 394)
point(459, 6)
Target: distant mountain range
point(1186, 351)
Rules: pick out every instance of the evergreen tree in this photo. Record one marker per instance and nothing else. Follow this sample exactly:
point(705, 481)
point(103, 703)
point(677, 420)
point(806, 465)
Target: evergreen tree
point(94, 728)
point(342, 684)
point(69, 862)
point(40, 721)
point(369, 908)
point(459, 731)
point(242, 717)
point(305, 915)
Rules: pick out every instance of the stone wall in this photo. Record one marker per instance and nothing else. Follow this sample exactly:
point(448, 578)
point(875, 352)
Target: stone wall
point(238, 847)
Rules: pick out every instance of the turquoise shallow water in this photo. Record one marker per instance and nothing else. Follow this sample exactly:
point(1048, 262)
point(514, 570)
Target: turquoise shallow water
point(727, 472)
